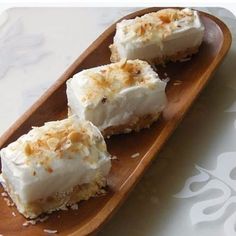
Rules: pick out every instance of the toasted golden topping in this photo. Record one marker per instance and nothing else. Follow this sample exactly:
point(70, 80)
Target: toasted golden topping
point(75, 136)
point(62, 139)
point(158, 24)
point(53, 143)
point(170, 15)
point(111, 79)
point(27, 149)
point(166, 19)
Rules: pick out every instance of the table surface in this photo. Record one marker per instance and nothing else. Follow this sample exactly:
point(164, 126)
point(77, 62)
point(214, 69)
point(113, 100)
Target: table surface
point(190, 187)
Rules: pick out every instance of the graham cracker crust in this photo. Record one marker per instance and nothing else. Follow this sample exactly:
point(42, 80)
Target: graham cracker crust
point(58, 201)
point(159, 60)
point(135, 124)
point(175, 57)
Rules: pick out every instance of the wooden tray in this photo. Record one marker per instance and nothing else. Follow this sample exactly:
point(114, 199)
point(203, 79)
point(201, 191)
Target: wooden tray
point(126, 171)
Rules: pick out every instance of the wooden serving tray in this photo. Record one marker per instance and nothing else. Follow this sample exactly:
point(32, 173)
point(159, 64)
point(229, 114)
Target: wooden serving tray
point(187, 81)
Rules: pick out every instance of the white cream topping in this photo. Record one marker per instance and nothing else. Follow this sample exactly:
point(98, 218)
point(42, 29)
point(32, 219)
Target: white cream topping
point(111, 95)
point(157, 34)
point(55, 158)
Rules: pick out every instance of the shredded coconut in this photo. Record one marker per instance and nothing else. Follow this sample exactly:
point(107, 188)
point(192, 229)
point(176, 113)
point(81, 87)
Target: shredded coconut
point(25, 224)
point(185, 59)
point(102, 191)
point(177, 83)
point(34, 222)
point(74, 207)
point(4, 194)
point(135, 155)
point(9, 203)
point(29, 222)
point(49, 231)
point(114, 158)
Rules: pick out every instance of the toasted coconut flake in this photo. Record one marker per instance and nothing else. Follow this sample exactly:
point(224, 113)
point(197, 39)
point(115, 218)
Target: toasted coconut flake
point(27, 149)
point(75, 136)
point(177, 82)
point(165, 18)
point(185, 59)
point(53, 143)
point(114, 158)
point(162, 22)
point(25, 224)
point(135, 155)
point(123, 63)
point(103, 191)
point(8, 201)
point(113, 78)
point(50, 231)
point(74, 206)
point(29, 222)
point(4, 194)
point(35, 221)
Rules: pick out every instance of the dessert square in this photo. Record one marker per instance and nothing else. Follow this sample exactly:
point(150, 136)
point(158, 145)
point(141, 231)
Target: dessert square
point(168, 34)
point(118, 97)
point(56, 165)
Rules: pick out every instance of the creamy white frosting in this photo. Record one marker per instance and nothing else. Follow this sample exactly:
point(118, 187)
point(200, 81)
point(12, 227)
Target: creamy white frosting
point(111, 106)
point(158, 34)
point(53, 158)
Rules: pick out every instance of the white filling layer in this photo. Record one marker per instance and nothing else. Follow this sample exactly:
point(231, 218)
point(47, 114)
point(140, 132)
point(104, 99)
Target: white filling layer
point(46, 160)
point(113, 107)
point(162, 34)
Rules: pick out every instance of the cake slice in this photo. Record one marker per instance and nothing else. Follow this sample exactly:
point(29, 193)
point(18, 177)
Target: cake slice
point(168, 34)
point(119, 97)
point(56, 165)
